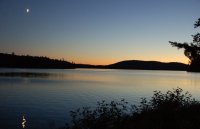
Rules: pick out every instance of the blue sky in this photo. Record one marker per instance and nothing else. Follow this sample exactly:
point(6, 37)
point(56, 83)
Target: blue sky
point(98, 31)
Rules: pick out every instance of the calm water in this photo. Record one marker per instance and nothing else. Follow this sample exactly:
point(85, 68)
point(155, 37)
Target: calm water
point(45, 97)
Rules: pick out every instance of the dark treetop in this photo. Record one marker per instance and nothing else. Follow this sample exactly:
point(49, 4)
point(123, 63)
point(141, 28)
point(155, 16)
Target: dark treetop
point(191, 50)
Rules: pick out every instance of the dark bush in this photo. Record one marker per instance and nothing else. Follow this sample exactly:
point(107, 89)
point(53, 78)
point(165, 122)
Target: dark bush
point(172, 110)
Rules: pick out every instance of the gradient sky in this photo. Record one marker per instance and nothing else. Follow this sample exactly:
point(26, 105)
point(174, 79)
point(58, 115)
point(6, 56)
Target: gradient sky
point(98, 31)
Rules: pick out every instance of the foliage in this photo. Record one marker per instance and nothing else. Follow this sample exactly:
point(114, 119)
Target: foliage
point(105, 115)
point(191, 50)
point(175, 110)
point(22, 61)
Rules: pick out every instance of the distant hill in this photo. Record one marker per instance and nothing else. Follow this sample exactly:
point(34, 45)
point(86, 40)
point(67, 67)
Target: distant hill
point(21, 61)
point(148, 65)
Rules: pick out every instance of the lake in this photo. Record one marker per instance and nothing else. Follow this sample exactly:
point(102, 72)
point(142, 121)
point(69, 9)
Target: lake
point(45, 96)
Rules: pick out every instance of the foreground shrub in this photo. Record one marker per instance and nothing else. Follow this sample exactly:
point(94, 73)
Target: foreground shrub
point(172, 110)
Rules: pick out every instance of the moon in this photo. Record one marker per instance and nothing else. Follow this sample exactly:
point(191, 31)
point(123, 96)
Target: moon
point(27, 10)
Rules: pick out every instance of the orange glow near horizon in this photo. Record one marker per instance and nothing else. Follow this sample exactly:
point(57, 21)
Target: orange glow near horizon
point(109, 59)
point(115, 60)
point(106, 60)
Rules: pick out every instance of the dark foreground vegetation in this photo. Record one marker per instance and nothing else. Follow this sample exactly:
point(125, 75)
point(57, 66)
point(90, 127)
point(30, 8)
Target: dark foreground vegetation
point(172, 110)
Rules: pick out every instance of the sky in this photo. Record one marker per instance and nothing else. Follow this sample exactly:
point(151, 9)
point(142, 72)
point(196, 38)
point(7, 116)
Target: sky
point(98, 32)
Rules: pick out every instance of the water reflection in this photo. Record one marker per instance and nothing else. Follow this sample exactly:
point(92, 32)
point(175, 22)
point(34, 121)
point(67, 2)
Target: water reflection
point(64, 76)
point(29, 74)
point(47, 96)
point(23, 122)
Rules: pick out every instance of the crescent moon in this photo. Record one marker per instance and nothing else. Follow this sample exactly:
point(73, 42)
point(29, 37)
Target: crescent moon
point(27, 10)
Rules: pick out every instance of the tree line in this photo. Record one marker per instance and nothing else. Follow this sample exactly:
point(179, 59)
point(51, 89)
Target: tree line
point(26, 61)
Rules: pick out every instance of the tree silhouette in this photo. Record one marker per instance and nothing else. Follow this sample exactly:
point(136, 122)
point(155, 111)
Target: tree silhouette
point(191, 50)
